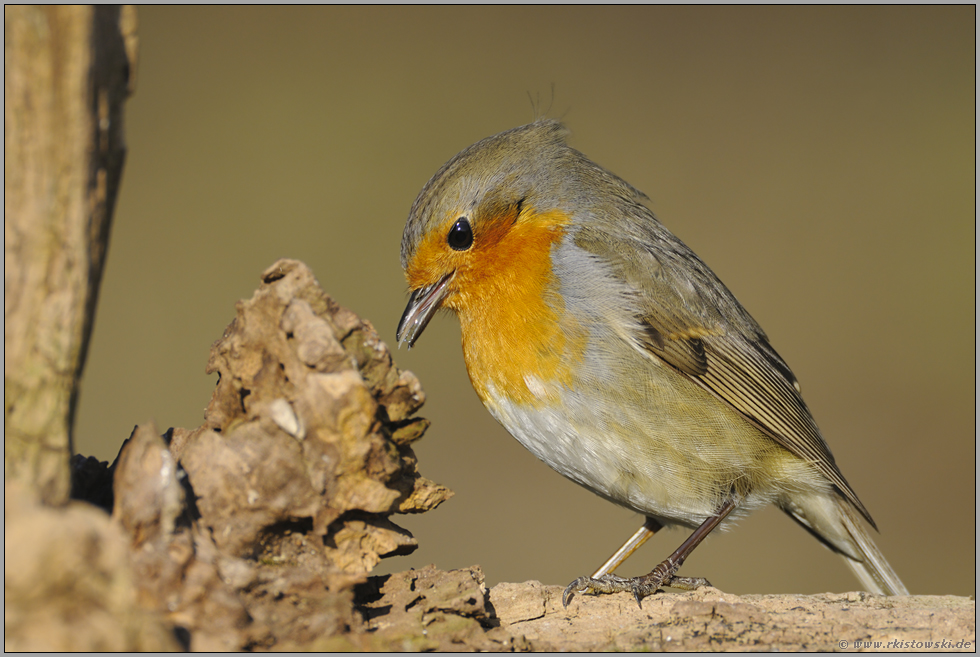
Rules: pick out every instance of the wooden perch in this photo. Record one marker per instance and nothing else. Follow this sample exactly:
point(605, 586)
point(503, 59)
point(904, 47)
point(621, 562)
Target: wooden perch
point(67, 73)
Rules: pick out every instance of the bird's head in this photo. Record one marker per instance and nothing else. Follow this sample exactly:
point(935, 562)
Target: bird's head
point(480, 224)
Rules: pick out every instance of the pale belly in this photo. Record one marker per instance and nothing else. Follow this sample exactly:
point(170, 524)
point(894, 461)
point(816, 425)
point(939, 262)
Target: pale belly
point(675, 463)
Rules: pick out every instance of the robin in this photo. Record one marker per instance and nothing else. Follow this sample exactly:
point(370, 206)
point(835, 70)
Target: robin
point(605, 346)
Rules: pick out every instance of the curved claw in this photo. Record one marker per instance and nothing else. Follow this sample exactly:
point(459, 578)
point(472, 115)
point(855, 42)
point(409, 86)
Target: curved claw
point(581, 584)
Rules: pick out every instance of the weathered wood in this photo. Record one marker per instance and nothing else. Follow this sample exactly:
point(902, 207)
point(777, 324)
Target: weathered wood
point(67, 73)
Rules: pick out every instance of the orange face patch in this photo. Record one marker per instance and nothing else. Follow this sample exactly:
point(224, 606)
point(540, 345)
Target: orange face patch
point(515, 340)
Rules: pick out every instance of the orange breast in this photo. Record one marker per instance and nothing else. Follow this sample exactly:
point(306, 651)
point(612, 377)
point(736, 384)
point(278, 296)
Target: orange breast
point(517, 339)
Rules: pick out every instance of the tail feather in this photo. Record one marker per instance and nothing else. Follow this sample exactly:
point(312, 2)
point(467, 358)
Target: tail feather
point(833, 520)
point(874, 571)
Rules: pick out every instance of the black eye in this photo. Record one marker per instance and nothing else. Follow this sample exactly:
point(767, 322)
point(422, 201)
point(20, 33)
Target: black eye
point(460, 235)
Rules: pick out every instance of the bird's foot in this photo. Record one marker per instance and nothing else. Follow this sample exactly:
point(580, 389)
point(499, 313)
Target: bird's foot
point(640, 587)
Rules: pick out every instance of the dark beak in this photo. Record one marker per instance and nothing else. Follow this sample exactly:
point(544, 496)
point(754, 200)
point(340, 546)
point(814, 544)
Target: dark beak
point(423, 304)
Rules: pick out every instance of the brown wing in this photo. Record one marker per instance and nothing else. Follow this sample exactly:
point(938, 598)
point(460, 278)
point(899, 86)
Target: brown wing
point(691, 321)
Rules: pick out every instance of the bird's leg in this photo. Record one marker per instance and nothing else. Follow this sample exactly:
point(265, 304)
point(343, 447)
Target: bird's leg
point(662, 575)
point(642, 535)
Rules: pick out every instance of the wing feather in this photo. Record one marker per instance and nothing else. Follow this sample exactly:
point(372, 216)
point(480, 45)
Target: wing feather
point(690, 320)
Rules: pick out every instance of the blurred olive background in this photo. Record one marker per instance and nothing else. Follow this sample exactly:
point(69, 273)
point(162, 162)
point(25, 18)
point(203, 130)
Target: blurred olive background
point(820, 160)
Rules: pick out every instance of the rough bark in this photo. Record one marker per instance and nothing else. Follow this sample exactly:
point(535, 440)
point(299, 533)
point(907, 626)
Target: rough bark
point(252, 530)
point(431, 609)
point(67, 73)
point(711, 620)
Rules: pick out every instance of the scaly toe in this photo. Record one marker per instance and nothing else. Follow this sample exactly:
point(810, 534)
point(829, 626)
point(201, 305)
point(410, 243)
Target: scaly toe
point(608, 583)
point(645, 586)
point(687, 583)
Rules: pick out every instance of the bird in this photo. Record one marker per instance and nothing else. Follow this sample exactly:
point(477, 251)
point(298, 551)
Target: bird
point(615, 355)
